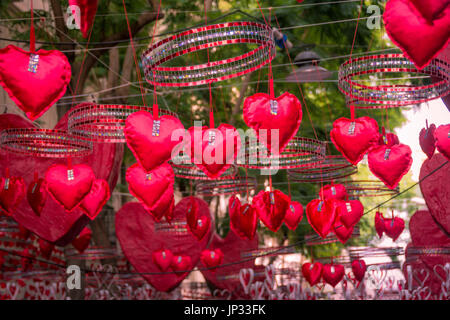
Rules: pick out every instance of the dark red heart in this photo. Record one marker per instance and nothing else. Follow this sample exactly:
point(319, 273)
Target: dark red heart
point(263, 116)
point(152, 142)
point(354, 138)
point(45, 248)
point(389, 139)
point(212, 258)
point(81, 242)
point(34, 92)
point(390, 164)
point(359, 269)
point(342, 232)
point(393, 227)
point(243, 218)
point(350, 212)
point(201, 228)
point(181, 263)
point(162, 259)
point(321, 215)
point(11, 193)
point(37, 195)
point(333, 273)
point(271, 207)
point(88, 9)
point(95, 200)
point(379, 223)
point(192, 213)
point(442, 136)
point(333, 191)
point(427, 141)
point(153, 189)
point(294, 215)
point(312, 272)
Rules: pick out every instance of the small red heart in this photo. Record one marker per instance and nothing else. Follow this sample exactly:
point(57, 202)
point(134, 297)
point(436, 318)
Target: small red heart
point(393, 227)
point(69, 191)
point(81, 242)
point(243, 218)
point(354, 137)
point(88, 9)
point(152, 142)
point(350, 212)
point(321, 215)
point(12, 193)
point(181, 263)
point(192, 213)
point(212, 258)
point(359, 269)
point(201, 228)
point(389, 139)
point(312, 272)
point(98, 196)
point(333, 191)
point(45, 248)
point(214, 150)
point(162, 259)
point(333, 273)
point(34, 92)
point(390, 164)
point(153, 189)
point(420, 39)
point(271, 207)
point(343, 233)
point(379, 223)
point(294, 215)
point(263, 116)
point(442, 136)
point(427, 141)
point(37, 195)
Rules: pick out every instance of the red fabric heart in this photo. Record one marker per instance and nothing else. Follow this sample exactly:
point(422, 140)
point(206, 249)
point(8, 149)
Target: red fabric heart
point(181, 263)
point(243, 218)
point(34, 93)
point(333, 273)
point(95, 200)
point(388, 139)
point(271, 208)
point(216, 157)
point(442, 136)
point(390, 164)
point(192, 213)
point(354, 138)
point(285, 116)
point(294, 215)
point(312, 272)
point(162, 259)
point(37, 195)
point(152, 149)
point(359, 269)
point(419, 39)
point(202, 227)
point(88, 9)
point(435, 189)
point(427, 141)
point(430, 9)
point(153, 189)
point(333, 191)
point(379, 223)
point(140, 235)
point(69, 193)
point(81, 242)
point(11, 193)
point(342, 232)
point(350, 212)
point(45, 248)
point(321, 215)
point(393, 227)
point(212, 258)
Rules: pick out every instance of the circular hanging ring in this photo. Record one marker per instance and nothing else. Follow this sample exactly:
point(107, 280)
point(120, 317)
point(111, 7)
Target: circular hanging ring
point(234, 185)
point(159, 72)
point(332, 168)
point(367, 188)
point(45, 143)
point(386, 94)
point(299, 152)
point(103, 123)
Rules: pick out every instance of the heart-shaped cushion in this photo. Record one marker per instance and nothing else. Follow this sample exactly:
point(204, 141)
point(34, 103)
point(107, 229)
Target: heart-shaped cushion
point(81, 242)
point(420, 39)
point(388, 139)
point(152, 142)
point(359, 268)
point(88, 9)
point(350, 212)
point(162, 259)
point(312, 272)
point(442, 136)
point(427, 141)
point(354, 138)
point(393, 227)
point(181, 264)
point(11, 193)
point(342, 232)
point(294, 215)
point(34, 92)
point(212, 258)
point(333, 191)
point(390, 164)
point(140, 235)
point(95, 200)
point(37, 195)
point(379, 223)
point(271, 208)
point(321, 215)
point(201, 228)
point(333, 273)
point(264, 115)
point(213, 150)
point(430, 9)
point(435, 189)
point(243, 218)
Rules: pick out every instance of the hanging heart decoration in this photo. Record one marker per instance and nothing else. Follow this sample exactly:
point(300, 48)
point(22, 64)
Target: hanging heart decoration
point(388, 139)
point(359, 269)
point(86, 10)
point(427, 140)
point(379, 223)
point(11, 193)
point(212, 258)
point(321, 215)
point(333, 274)
point(442, 136)
point(163, 259)
point(271, 207)
point(264, 115)
point(393, 227)
point(37, 195)
point(333, 191)
point(350, 212)
point(201, 228)
point(312, 272)
point(181, 263)
point(294, 215)
point(81, 242)
point(342, 232)
point(243, 218)
point(95, 200)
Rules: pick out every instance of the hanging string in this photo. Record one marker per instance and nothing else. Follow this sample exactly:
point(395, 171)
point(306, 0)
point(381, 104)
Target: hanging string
point(32, 34)
point(155, 95)
point(211, 108)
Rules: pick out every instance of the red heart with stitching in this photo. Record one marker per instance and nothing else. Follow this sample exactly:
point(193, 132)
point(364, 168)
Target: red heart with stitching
point(294, 215)
point(393, 227)
point(162, 259)
point(350, 212)
point(140, 235)
point(212, 258)
point(69, 191)
point(37, 195)
point(321, 215)
point(354, 138)
point(88, 9)
point(379, 223)
point(390, 164)
point(333, 273)
point(359, 269)
point(435, 189)
point(442, 136)
point(263, 116)
point(213, 150)
point(95, 200)
point(11, 193)
point(333, 191)
point(150, 146)
point(271, 208)
point(81, 242)
point(34, 92)
point(420, 39)
point(312, 272)
point(243, 218)
point(153, 189)
point(427, 141)
point(342, 232)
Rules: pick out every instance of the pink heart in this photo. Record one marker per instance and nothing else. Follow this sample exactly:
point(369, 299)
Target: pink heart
point(95, 200)
point(271, 208)
point(427, 141)
point(34, 92)
point(442, 136)
point(88, 9)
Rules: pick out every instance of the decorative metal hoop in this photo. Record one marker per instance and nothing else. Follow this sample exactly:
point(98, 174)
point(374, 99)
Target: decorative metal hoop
point(226, 186)
point(155, 59)
point(367, 188)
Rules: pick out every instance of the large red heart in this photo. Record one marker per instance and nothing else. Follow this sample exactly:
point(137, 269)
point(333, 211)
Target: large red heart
point(96, 198)
point(333, 273)
point(88, 9)
point(312, 272)
point(293, 215)
point(151, 141)
point(69, 191)
point(359, 269)
point(350, 212)
point(54, 224)
point(11, 193)
point(263, 115)
point(333, 191)
point(354, 137)
point(321, 215)
point(420, 39)
point(34, 92)
point(214, 150)
point(243, 218)
point(37, 195)
point(212, 258)
point(342, 232)
point(271, 207)
point(435, 189)
point(154, 189)
point(140, 235)
point(427, 141)
point(390, 164)
point(442, 136)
